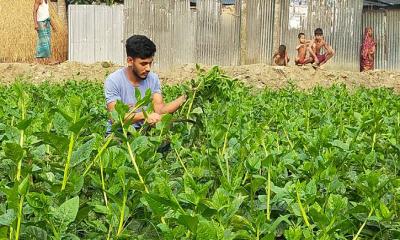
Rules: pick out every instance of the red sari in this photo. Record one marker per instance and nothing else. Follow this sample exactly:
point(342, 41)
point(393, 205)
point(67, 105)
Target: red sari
point(367, 51)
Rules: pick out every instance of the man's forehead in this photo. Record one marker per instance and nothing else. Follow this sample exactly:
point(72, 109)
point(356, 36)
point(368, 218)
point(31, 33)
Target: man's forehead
point(144, 60)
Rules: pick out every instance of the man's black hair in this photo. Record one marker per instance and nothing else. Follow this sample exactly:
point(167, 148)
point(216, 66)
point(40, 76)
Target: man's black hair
point(140, 46)
point(318, 32)
point(300, 34)
point(282, 49)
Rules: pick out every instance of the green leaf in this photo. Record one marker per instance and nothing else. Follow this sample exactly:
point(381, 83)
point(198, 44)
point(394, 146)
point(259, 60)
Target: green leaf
point(38, 200)
point(82, 153)
point(190, 222)
point(340, 144)
point(121, 109)
point(13, 151)
point(58, 142)
point(206, 230)
point(138, 94)
point(66, 212)
point(24, 124)
point(76, 127)
point(197, 110)
point(23, 186)
point(34, 233)
point(385, 211)
point(7, 218)
point(101, 209)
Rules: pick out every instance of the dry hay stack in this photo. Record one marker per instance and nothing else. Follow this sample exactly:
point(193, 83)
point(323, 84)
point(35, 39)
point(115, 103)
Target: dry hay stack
point(18, 37)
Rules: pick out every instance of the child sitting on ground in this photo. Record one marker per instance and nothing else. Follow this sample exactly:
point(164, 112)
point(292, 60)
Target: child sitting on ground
point(280, 57)
point(302, 50)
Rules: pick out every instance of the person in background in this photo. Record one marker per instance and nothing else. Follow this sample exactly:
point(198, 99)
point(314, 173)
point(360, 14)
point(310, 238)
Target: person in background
point(302, 50)
point(368, 48)
point(43, 24)
point(317, 45)
point(280, 57)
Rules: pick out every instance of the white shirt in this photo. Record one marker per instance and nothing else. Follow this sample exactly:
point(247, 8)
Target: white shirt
point(43, 11)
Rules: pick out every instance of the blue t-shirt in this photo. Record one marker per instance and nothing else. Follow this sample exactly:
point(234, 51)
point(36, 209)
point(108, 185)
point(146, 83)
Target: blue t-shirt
point(118, 87)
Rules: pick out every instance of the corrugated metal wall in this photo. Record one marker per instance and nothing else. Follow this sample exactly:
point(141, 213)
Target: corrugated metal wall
point(341, 22)
point(184, 35)
point(260, 28)
point(211, 34)
point(96, 33)
point(386, 28)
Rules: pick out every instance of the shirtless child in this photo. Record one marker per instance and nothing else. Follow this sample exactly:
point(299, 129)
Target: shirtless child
point(302, 50)
point(280, 57)
point(316, 45)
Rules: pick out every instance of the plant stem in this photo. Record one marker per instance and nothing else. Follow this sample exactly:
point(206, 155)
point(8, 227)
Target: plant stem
point(121, 218)
point(22, 133)
point(133, 159)
point(268, 188)
point(191, 104)
point(103, 185)
point(66, 169)
point(363, 225)
point(19, 217)
point(181, 162)
point(269, 194)
point(303, 212)
point(223, 154)
point(99, 153)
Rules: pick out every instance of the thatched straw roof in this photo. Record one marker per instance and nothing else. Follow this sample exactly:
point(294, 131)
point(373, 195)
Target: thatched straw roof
point(18, 36)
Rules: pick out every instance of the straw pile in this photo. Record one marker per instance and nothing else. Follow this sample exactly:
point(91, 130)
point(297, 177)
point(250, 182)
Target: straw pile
point(18, 37)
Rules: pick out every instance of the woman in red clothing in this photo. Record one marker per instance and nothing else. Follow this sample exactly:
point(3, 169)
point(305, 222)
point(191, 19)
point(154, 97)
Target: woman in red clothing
point(367, 51)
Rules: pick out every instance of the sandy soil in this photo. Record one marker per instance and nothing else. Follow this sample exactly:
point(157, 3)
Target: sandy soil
point(257, 75)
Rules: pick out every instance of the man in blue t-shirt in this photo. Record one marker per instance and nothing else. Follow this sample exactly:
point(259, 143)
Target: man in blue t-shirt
point(121, 84)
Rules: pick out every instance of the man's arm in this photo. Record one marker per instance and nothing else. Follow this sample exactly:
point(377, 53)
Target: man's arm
point(52, 25)
point(35, 8)
point(310, 49)
point(161, 108)
point(329, 49)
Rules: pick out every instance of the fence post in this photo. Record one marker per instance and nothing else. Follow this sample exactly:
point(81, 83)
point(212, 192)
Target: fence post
point(243, 31)
point(277, 26)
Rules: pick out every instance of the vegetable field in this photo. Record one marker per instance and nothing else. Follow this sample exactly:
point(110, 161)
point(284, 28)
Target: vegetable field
point(233, 163)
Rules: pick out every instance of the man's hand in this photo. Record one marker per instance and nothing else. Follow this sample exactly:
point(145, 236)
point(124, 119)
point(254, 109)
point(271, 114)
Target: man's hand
point(153, 118)
point(182, 99)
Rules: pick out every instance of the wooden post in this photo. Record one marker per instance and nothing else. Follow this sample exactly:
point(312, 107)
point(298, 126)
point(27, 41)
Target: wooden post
point(243, 31)
point(277, 25)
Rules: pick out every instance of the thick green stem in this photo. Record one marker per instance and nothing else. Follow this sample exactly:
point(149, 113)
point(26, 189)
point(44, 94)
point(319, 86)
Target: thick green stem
point(66, 169)
point(268, 188)
point(269, 194)
point(99, 153)
point(303, 212)
point(21, 138)
point(19, 217)
point(181, 162)
point(363, 225)
point(122, 215)
point(191, 104)
point(103, 185)
point(223, 154)
point(133, 159)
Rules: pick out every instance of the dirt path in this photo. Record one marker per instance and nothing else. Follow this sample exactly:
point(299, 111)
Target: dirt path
point(258, 75)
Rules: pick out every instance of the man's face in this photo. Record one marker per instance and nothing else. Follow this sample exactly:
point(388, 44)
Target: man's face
point(302, 39)
point(319, 37)
point(140, 66)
